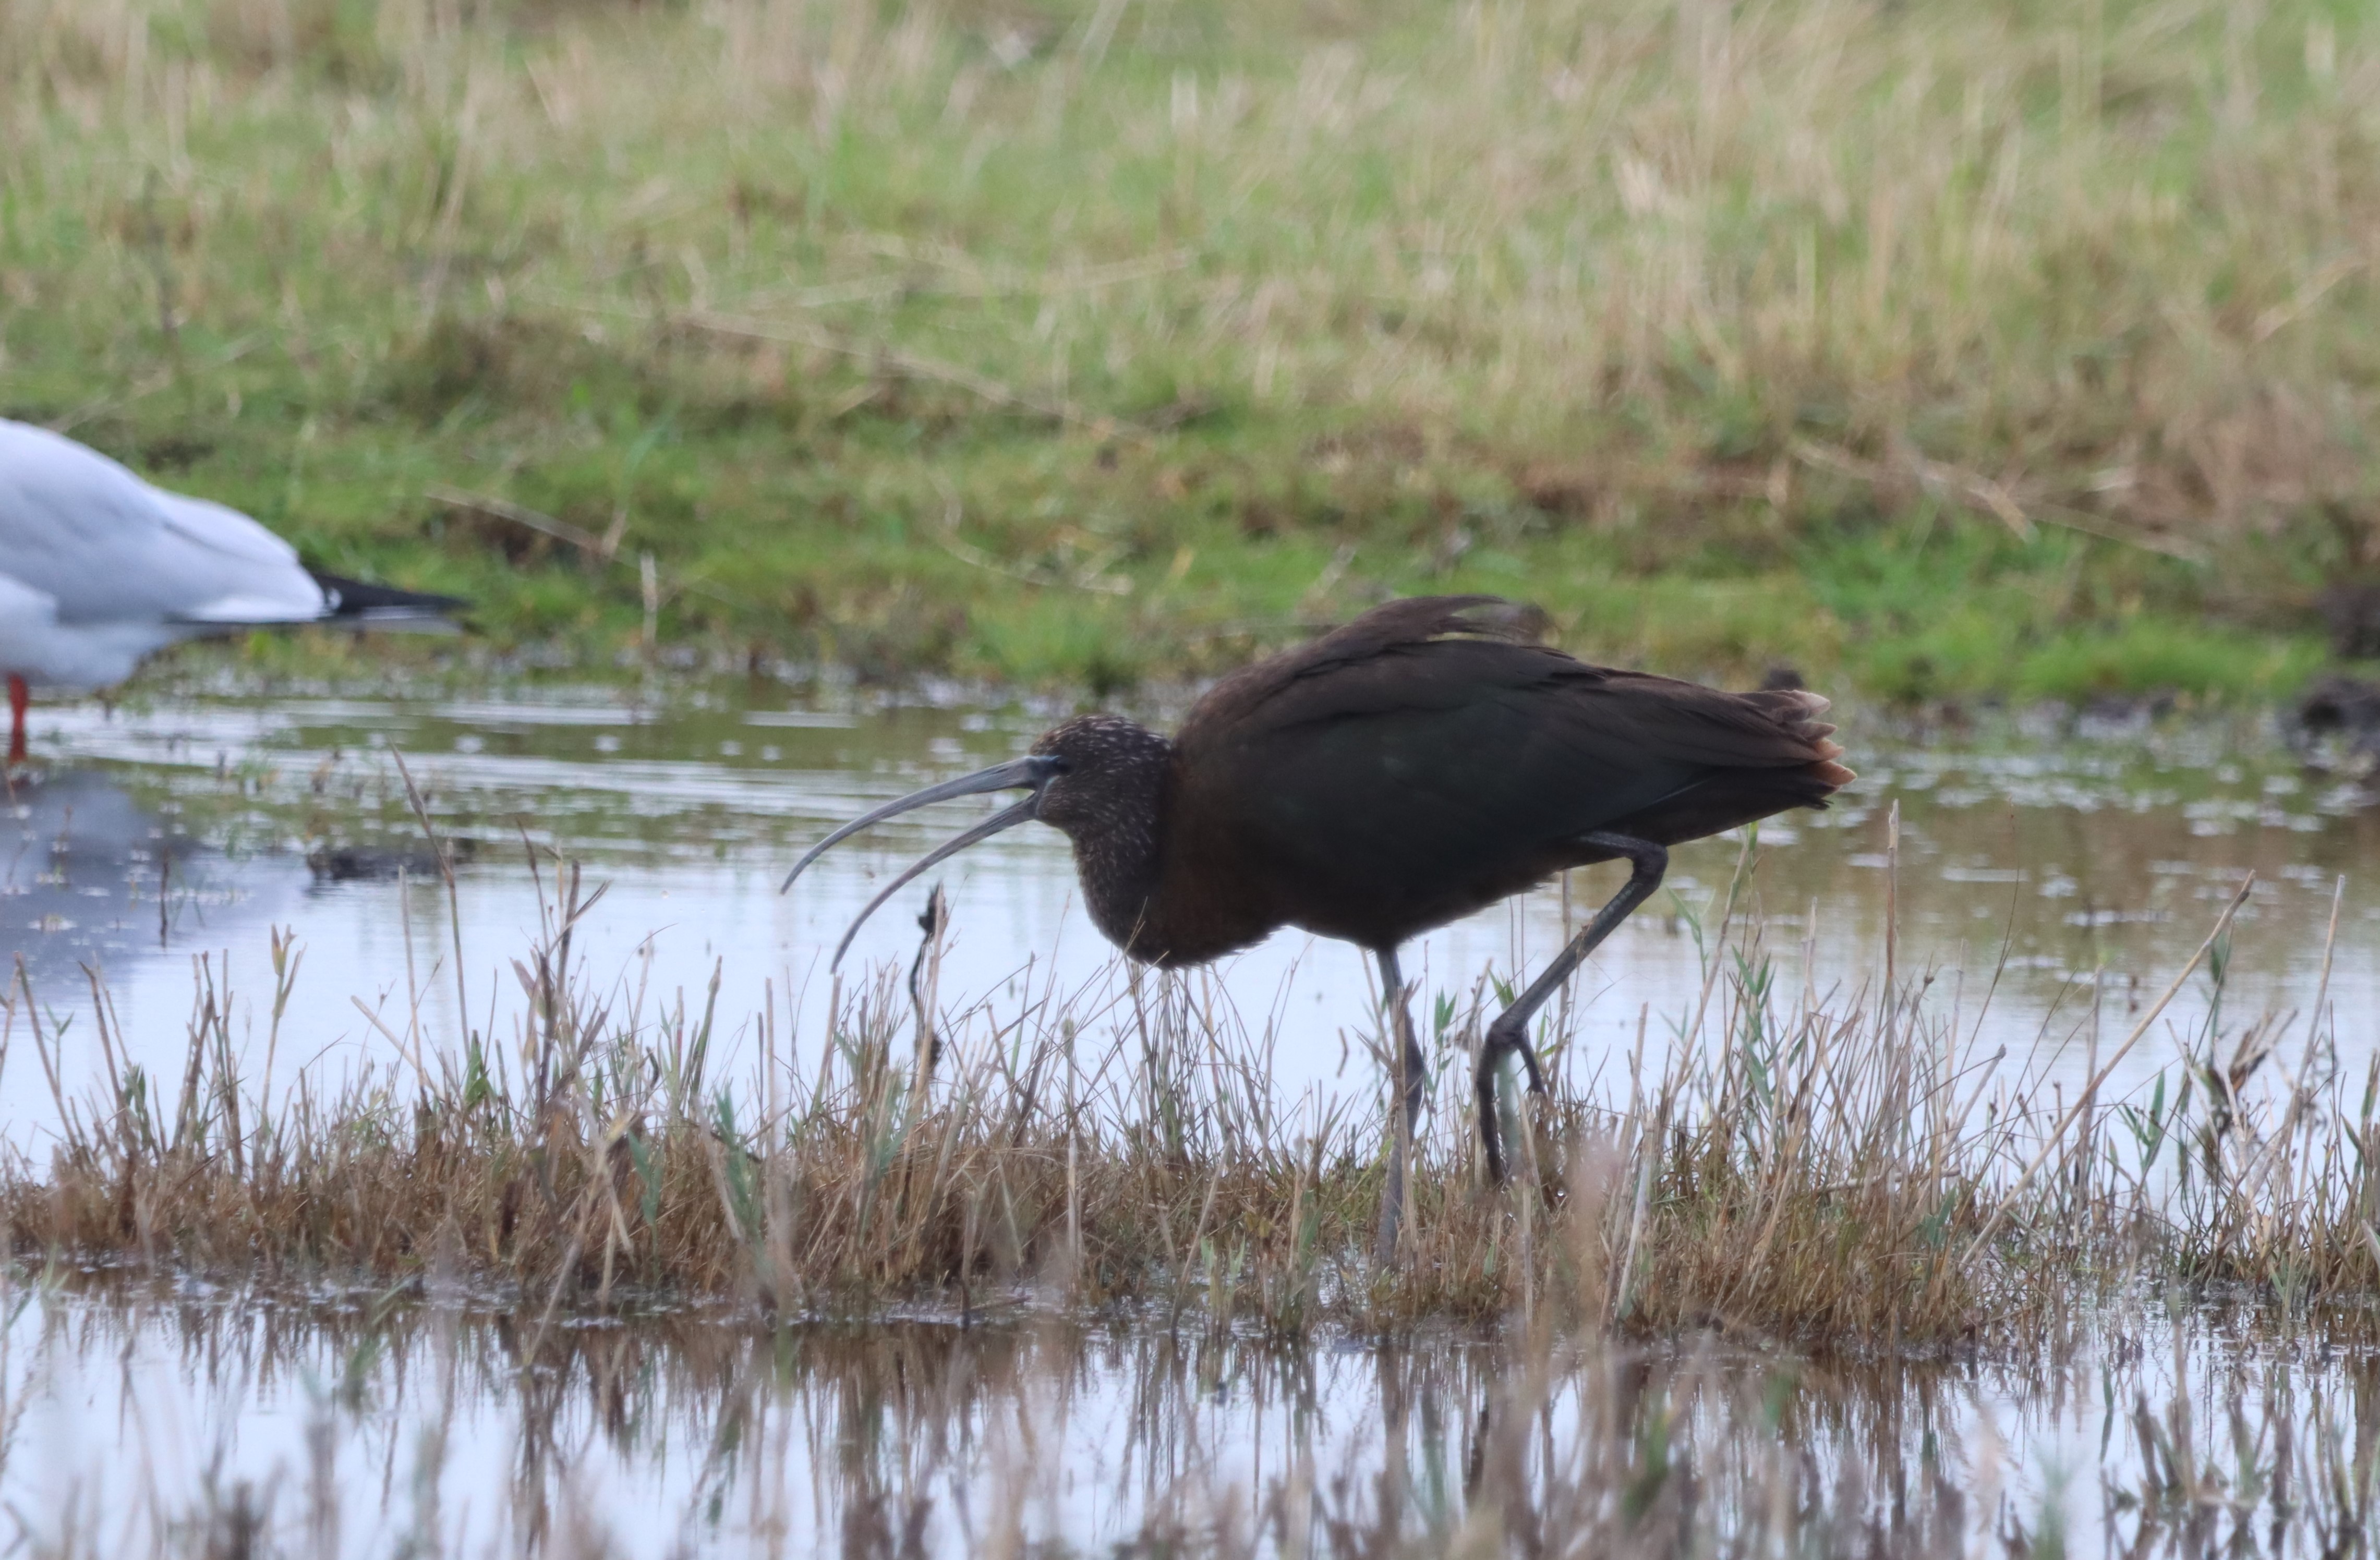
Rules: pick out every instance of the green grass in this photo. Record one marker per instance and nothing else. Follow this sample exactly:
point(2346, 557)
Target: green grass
point(1942, 351)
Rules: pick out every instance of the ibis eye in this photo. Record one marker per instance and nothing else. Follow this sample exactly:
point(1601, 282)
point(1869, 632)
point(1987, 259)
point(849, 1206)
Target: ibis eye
point(1062, 765)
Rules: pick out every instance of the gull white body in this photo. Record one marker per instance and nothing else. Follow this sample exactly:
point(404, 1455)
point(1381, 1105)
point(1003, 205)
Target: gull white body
point(100, 570)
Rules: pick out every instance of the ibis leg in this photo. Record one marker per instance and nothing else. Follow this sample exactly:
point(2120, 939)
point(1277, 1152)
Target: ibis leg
point(1406, 1110)
point(1510, 1030)
point(18, 697)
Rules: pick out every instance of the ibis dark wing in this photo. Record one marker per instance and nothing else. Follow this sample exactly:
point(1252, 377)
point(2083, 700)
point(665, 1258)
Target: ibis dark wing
point(1397, 774)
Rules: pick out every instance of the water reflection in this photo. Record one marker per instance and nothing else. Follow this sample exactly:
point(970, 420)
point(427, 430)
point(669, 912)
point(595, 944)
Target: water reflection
point(90, 875)
point(332, 1426)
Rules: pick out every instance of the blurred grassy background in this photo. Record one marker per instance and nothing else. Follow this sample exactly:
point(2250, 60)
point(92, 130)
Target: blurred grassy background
point(1941, 350)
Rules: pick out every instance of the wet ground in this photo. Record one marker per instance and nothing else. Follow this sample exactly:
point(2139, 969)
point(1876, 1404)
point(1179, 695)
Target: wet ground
point(2051, 873)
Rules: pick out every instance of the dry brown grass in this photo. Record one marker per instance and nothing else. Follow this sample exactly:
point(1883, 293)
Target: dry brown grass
point(1833, 1169)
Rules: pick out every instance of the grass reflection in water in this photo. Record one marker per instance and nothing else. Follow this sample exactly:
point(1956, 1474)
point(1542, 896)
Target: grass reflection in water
point(458, 1427)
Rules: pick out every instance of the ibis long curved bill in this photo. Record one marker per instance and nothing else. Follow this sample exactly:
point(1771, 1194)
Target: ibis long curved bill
point(1007, 817)
point(1031, 772)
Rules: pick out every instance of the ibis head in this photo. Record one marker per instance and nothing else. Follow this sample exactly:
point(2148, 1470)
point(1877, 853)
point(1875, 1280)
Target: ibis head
point(1100, 779)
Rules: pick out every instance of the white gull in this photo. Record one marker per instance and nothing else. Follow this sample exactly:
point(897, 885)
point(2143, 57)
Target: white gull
point(99, 570)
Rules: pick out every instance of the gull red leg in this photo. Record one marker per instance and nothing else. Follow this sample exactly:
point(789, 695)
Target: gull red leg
point(18, 697)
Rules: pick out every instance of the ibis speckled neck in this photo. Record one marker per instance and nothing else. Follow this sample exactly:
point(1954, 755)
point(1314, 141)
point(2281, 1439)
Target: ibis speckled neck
point(1111, 801)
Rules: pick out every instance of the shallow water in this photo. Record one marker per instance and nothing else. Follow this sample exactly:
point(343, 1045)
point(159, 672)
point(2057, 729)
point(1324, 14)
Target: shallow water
point(2052, 882)
point(2051, 879)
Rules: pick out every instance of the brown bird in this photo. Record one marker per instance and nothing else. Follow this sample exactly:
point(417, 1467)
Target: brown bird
point(1422, 762)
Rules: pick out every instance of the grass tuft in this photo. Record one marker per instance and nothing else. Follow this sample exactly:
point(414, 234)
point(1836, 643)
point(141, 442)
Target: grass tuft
point(1835, 1170)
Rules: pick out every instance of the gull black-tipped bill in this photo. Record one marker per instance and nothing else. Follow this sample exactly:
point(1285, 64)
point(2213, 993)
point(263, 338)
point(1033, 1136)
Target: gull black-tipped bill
point(1031, 772)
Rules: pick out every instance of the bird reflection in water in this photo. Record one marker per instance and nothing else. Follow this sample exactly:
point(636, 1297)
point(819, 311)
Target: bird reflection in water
point(87, 875)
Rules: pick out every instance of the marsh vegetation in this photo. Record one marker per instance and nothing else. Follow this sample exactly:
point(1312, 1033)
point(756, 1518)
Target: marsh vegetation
point(1837, 1169)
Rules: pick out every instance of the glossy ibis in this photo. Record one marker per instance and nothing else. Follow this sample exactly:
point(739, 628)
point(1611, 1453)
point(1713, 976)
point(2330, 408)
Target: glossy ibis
point(99, 570)
point(1421, 763)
